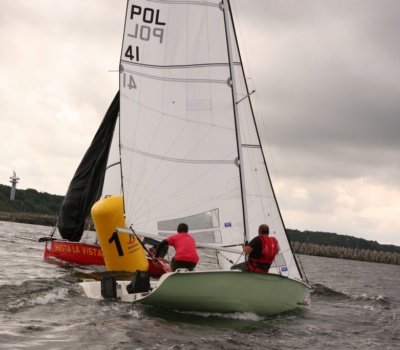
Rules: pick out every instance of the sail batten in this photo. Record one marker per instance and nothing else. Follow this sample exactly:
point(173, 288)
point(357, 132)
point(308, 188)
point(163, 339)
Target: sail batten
point(187, 66)
point(184, 160)
point(177, 80)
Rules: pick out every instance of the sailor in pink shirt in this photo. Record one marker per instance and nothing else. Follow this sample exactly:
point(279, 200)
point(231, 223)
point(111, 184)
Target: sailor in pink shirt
point(185, 249)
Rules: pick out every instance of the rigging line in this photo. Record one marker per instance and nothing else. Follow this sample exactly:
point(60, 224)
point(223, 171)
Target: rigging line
point(297, 257)
point(54, 229)
point(247, 96)
point(114, 164)
point(141, 243)
point(239, 258)
point(226, 258)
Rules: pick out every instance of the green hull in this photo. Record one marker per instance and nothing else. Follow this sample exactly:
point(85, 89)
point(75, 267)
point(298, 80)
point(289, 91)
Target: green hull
point(218, 292)
point(229, 291)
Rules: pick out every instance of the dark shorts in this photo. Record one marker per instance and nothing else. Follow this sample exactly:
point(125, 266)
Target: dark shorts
point(241, 266)
point(264, 266)
point(179, 264)
point(244, 266)
point(258, 267)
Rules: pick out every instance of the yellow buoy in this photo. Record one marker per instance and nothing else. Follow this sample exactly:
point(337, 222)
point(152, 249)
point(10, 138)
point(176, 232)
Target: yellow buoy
point(121, 251)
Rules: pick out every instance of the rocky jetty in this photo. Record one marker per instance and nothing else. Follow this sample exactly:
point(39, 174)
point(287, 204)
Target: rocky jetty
point(34, 219)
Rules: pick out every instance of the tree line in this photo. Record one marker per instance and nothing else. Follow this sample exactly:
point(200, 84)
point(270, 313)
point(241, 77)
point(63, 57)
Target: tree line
point(335, 240)
point(29, 201)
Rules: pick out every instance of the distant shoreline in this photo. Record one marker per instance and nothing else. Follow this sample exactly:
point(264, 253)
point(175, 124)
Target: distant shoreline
point(26, 218)
point(300, 248)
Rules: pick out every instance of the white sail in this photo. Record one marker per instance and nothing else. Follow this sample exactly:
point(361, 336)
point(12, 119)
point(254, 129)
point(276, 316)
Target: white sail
point(180, 149)
point(112, 176)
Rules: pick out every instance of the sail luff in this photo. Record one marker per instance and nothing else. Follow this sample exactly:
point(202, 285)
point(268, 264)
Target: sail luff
point(121, 68)
point(228, 19)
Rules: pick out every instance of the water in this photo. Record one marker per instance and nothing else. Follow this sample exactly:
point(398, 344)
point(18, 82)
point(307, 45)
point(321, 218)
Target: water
point(355, 305)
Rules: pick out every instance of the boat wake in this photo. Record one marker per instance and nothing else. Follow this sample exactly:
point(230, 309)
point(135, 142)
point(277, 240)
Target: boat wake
point(321, 292)
point(237, 320)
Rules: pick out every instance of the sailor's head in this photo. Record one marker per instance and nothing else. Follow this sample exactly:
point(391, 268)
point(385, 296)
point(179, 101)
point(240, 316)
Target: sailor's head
point(263, 230)
point(183, 228)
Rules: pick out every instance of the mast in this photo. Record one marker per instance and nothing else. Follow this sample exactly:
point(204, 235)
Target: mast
point(226, 7)
point(296, 258)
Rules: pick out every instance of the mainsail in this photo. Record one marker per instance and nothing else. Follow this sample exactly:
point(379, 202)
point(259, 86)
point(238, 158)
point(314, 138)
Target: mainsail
point(86, 186)
point(189, 145)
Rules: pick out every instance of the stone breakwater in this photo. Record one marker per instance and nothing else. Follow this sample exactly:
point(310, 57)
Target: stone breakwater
point(37, 219)
point(33, 219)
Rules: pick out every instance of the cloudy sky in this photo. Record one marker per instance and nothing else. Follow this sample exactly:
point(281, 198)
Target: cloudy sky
point(326, 74)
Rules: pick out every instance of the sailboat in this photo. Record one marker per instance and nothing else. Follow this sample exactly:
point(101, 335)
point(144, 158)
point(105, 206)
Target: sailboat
point(96, 176)
point(85, 188)
point(191, 152)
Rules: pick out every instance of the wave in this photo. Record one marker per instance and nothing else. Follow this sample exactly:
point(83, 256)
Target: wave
point(31, 293)
point(321, 292)
point(373, 300)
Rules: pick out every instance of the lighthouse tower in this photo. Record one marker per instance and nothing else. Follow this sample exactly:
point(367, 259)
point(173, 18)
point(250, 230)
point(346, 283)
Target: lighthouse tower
point(14, 180)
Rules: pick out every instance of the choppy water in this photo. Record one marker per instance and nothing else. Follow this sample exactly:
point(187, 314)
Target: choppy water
point(354, 305)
